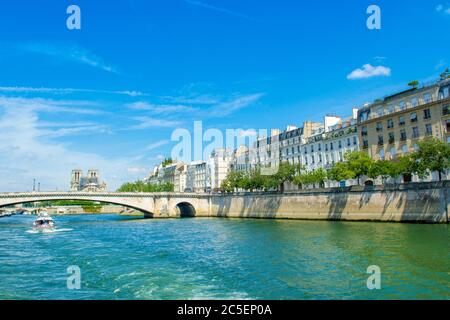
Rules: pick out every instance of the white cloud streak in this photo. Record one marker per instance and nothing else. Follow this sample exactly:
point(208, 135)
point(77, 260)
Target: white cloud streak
point(218, 9)
point(369, 71)
point(69, 53)
point(28, 151)
point(130, 93)
point(443, 8)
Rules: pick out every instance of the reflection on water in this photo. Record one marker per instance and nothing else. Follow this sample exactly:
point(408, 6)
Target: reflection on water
point(132, 258)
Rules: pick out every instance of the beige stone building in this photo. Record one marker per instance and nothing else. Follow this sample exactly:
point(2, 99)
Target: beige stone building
point(391, 127)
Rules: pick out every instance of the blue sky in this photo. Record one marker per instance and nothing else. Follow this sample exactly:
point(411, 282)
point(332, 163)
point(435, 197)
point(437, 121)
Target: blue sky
point(110, 95)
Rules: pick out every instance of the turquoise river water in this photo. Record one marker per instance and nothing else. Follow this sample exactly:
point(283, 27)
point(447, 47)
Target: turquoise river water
point(133, 258)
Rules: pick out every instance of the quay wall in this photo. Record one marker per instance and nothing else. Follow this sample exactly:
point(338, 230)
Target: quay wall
point(418, 202)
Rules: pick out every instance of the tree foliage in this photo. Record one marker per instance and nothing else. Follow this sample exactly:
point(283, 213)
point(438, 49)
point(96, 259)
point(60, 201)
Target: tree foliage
point(432, 155)
point(141, 186)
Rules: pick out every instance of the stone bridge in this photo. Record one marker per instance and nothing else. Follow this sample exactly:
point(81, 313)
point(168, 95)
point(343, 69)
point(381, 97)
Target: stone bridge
point(414, 202)
point(158, 205)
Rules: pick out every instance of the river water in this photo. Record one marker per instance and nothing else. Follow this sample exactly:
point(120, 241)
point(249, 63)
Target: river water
point(133, 258)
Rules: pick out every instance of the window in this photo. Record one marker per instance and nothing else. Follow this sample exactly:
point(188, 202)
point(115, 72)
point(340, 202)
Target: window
point(390, 123)
point(415, 132)
point(331, 146)
point(349, 143)
point(393, 152)
point(404, 149)
point(312, 159)
point(402, 105)
point(413, 117)
point(381, 154)
point(426, 114)
point(293, 150)
point(427, 97)
point(320, 158)
point(326, 147)
point(340, 144)
point(355, 141)
point(306, 150)
point(319, 147)
point(391, 137)
point(312, 148)
point(364, 115)
point(444, 92)
point(380, 111)
point(401, 121)
point(380, 140)
point(414, 102)
point(390, 108)
point(363, 131)
point(428, 129)
point(365, 143)
point(379, 126)
point(403, 135)
point(445, 110)
point(448, 126)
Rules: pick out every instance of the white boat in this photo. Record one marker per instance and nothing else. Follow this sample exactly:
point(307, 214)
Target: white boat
point(43, 222)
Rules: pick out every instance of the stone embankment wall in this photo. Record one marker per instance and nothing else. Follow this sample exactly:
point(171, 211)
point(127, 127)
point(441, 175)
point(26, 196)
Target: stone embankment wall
point(417, 202)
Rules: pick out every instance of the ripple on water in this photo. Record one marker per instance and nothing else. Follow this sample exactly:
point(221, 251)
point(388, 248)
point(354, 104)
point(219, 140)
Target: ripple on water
point(123, 258)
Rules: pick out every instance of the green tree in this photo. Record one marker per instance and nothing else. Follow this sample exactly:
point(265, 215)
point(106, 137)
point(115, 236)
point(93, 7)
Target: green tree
point(381, 168)
point(432, 155)
point(359, 163)
point(341, 171)
point(404, 165)
point(166, 162)
point(413, 84)
point(445, 75)
point(140, 186)
point(286, 173)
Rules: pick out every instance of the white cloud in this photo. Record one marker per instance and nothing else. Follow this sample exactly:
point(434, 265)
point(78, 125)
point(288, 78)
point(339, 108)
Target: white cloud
point(247, 133)
point(443, 8)
point(149, 122)
point(50, 105)
point(156, 145)
point(218, 9)
point(27, 153)
point(158, 109)
point(369, 71)
point(69, 53)
point(68, 91)
point(138, 170)
point(228, 107)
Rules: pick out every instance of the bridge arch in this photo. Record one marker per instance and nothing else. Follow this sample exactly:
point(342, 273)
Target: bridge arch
point(185, 210)
point(109, 200)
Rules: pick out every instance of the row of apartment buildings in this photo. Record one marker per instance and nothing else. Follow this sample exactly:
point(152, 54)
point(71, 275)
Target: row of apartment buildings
point(197, 176)
point(388, 128)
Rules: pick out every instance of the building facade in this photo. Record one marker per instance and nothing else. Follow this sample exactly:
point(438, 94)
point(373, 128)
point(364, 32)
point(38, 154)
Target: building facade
point(219, 165)
point(197, 179)
point(89, 183)
point(391, 127)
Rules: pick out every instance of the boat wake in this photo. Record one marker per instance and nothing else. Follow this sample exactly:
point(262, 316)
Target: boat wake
point(49, 230)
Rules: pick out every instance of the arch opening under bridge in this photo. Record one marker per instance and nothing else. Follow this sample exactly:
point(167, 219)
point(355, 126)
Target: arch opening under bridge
point(146, 212)
point(186, 210)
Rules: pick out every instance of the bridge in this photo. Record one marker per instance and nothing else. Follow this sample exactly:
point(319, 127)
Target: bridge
point(152, 205)
point(414, 202)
